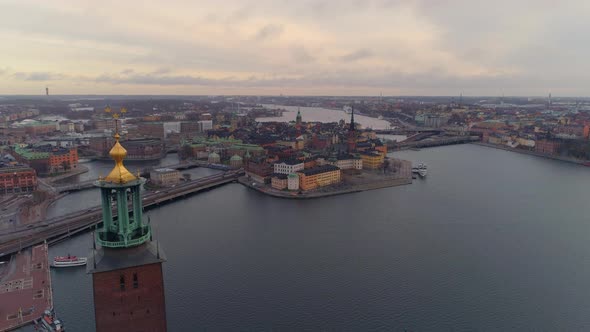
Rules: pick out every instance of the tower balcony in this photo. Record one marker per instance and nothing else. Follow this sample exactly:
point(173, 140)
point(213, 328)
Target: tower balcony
point(111, 239)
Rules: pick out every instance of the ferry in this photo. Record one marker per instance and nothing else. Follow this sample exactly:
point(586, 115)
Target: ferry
point(49, 323)
point(67, 261)
point(421, 169)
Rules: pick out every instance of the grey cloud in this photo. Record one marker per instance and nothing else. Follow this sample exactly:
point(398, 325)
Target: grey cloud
point(38, 76)
point(269, 31)
point(356, 55)
point(127, 71)
point(301, 55)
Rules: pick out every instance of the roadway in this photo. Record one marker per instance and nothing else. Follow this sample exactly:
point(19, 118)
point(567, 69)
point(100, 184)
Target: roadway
point(73, 222)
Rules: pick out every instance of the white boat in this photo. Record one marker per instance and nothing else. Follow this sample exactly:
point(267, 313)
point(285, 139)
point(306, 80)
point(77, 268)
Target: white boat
point(67, 261)
point(421, 169)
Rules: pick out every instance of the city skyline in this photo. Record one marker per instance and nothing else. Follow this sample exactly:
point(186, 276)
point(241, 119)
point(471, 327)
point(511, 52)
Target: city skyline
point(302, 48)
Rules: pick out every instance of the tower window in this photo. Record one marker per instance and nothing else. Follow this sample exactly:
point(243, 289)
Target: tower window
point(122, 282)
point(135, 282)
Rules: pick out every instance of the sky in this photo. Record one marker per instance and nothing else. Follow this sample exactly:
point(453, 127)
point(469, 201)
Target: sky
point(302, 47)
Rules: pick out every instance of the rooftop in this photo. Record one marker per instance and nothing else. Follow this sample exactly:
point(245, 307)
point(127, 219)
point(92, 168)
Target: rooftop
point(319, 170)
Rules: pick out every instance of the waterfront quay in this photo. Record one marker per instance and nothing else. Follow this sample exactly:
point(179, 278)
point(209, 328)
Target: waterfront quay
point(351, 182)
point(25, 288)
point(58, 228)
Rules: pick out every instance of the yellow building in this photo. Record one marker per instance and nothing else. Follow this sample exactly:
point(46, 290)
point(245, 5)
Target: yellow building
point(320, 176)
point(372, 160)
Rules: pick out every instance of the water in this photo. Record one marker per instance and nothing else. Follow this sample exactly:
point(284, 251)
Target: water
point(98, 168)
point(318, 114)
point(85, 199)
point(490, 240)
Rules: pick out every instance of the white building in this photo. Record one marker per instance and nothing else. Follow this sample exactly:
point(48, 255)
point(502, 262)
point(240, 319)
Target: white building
point(165, 176)
point(352, 163)
point(205, 125)
point(288, 166)
point(293, 181)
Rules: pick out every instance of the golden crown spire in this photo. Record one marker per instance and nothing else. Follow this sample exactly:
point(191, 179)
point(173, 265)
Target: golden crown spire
point(119, 174)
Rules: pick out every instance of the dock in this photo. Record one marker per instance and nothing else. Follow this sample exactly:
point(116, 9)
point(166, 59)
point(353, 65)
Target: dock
point(25, 287)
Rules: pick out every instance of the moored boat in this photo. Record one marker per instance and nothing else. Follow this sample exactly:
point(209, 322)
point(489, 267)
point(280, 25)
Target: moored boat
point(67, 261)
point(421, 169)
point(49, 322)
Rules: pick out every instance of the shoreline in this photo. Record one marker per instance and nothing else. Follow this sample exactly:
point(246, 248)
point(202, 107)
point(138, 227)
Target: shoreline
point(533, 153)
point(264, 189)
point(53, 179)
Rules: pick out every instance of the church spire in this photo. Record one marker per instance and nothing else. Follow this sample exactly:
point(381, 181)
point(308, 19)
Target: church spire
point(352, 119)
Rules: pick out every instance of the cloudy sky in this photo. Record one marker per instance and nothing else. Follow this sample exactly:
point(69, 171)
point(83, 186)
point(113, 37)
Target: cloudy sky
point(296, 47)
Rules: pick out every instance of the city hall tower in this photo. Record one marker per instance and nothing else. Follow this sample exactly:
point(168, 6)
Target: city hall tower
point(126, 265)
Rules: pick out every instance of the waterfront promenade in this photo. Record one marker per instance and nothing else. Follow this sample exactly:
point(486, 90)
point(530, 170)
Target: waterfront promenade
point(532, 153)
point(25, 288)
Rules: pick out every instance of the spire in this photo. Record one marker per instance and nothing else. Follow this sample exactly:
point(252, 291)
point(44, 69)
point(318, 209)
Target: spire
point(352, 119)
point(119, 174)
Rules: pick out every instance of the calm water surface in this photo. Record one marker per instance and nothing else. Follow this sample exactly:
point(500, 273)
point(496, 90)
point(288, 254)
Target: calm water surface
point(490, 240)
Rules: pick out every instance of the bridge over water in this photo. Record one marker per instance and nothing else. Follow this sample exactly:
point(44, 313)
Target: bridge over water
point(58, 228)
point(144, 172)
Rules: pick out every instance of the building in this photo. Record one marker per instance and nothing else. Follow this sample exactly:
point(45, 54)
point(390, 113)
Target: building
point(126, 265)
point(214, 158)
point(259, 170)
point(293, 181)
point(47, 159)
point(165, 177)
point(137, 148)
point(318, 177)
point(17, 178)
point(288, 166)
point(36, 128)
point(205, 125)
point(278, 181)
point(235, 161)
point(345, 161)
point(151, 129)
point(67, 127)
point(372, 159)
point(145, 149)
point(189, 128)
point(435, 120)
point(546, 146)
point(106, 124)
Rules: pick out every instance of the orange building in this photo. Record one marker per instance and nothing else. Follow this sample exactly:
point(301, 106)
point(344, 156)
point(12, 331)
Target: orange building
point(372, 159)
point(318, 177)
point(47, 159)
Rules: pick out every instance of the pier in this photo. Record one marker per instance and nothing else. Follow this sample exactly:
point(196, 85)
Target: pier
point(55, 229)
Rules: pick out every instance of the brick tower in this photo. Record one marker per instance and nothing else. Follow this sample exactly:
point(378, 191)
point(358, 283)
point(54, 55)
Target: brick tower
point(125, 264)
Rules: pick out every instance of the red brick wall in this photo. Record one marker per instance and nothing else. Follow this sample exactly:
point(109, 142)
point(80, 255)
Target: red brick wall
point(23, 180)
point(133, 309)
